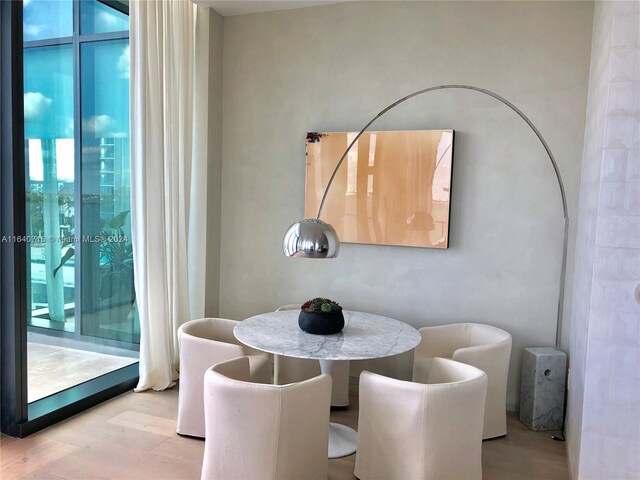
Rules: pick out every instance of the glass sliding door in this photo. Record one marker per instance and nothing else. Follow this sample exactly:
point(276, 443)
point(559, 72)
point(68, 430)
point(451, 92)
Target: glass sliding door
point(108, 297)
point(81, 311)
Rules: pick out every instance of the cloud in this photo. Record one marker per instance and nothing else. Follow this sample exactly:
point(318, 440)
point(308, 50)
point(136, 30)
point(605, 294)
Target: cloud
point(35, 105)
point(32, 29)
point(108, 20)
point(25, 3)
point(103, 126)
point(123, 63)
point(100, 125)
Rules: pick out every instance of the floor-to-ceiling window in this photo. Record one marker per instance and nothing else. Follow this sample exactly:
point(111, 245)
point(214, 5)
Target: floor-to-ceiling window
point(80, 312)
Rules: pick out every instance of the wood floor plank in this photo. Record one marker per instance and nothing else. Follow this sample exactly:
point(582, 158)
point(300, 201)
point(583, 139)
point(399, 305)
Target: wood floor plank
point(40, 475)
point(90, 429)
point(105, 461)
point(157, 467)
point(27, 455)
point(145, 422)
point(181, 448)
point(162, 404)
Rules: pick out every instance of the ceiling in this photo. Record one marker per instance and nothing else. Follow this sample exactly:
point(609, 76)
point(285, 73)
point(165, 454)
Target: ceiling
point(228, 8)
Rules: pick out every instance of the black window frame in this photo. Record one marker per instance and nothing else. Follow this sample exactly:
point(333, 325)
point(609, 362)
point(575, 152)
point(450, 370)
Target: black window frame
point(18, 417)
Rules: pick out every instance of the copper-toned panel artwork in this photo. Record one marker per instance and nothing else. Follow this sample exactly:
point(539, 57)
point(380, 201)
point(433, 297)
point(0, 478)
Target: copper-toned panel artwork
point(394, 188)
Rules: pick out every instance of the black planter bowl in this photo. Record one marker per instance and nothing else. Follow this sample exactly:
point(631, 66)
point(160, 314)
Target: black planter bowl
point(321, 323)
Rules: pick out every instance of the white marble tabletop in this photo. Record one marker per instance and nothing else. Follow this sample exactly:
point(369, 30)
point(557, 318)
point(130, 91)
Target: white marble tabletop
point(364, 336)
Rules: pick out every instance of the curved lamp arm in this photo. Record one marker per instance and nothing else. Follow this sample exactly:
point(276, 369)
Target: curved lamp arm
point(445, 87)
point(316, 239)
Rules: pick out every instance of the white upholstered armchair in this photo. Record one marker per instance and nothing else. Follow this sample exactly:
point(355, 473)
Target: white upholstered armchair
point(267, 432)
point(203, 343)
point(430, 430)
point(483, 346)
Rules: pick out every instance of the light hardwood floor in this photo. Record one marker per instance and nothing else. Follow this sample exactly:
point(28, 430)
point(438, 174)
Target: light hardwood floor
point(133, 437)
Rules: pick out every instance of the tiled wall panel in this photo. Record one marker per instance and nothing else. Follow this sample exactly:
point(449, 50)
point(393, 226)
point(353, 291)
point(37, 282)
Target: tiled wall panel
point(604, 396)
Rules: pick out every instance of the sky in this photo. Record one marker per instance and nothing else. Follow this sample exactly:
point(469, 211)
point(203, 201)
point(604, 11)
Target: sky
point(48, 80)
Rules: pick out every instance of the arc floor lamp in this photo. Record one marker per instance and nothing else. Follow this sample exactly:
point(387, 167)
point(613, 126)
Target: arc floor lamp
point(313, 238)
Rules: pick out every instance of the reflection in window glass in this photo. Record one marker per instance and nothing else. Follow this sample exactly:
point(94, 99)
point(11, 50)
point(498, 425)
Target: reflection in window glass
point(48, 115)
point(108, 298)
point(82, 320)
point(96, 17)
point(44, 19)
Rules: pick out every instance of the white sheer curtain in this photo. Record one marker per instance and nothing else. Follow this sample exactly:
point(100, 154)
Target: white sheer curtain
point(169, 103)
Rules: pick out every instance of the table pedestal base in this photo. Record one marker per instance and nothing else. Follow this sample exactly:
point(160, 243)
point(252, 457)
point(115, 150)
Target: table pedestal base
point(342, 440)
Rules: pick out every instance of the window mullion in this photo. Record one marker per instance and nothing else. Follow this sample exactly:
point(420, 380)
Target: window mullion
point(49, 42)
point(77, 151)
point(96, 37)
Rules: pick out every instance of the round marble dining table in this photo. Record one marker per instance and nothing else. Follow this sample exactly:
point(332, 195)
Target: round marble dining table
point(365, 336)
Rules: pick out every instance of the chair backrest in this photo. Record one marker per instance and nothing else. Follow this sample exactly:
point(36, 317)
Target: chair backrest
point(483, 346)
point(216, 330)
point(443, 340)
point(414, 430)
point(455, 399)
point(481, 334)
point(264, 431)
point(291, 306)
point(203, 342)
point(445, 371)
point(219, 329)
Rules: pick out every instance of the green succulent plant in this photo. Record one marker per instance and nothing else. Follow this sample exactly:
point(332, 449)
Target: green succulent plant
point(319, 304)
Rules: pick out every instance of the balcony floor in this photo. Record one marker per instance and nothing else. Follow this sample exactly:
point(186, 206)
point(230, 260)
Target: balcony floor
point(53, 368)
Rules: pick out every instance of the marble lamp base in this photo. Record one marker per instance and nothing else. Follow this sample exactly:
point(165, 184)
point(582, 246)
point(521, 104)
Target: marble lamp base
point(542, 390)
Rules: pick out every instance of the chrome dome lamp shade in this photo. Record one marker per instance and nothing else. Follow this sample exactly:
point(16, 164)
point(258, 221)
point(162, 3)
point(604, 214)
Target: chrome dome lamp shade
point(311, 238)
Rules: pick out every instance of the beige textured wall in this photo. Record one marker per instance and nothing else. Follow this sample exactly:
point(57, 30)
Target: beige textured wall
point(212, 248)
point(332, 68)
